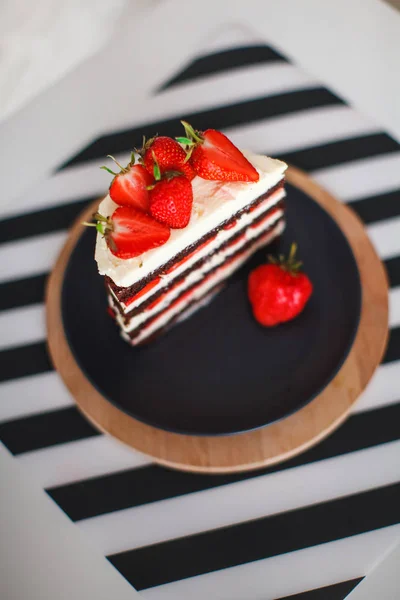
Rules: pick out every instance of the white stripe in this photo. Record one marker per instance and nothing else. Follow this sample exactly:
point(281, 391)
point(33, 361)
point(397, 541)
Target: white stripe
point(234, 36)
point(245, 500)
point(30, 256)
point(302, 129)
point(45, 391)
point(32, 395)
point(82, 459)
point(385, 236)
point(286, 574)
point(382, 390)
point(24, 325)
point(394, 305)
point(362, 178)
point(236, 85)
point(72, 184)
point(226, 88)
point(281, 134)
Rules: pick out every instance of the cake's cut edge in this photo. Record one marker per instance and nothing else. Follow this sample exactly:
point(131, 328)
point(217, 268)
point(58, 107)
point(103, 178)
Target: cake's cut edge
point(214, 202)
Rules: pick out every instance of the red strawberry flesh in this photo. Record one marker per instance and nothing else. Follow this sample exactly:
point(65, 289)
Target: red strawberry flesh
point(130, 188)
point(213, 156)
point(220, 151)
point(132, 233)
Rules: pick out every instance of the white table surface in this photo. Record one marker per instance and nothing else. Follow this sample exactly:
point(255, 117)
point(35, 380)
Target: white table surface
point(45, 556)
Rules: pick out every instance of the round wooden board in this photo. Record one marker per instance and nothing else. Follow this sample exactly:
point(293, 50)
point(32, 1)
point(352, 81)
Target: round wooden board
point(267, 446)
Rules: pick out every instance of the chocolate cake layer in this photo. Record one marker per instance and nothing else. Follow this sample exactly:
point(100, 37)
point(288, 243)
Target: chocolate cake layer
point(124, 294)
point(177, 317)
point(198, 264)
point(253, 242)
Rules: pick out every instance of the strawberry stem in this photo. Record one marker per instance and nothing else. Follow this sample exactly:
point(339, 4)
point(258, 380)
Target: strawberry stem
point(190, 145)
point(171, 174)
point(293, 250)
point(146, 144)
point(156, 168)
point(102, 224)
point(185, 141)
point(291, 264)
point(193, 135)
point(109, 171)
point(123, 169)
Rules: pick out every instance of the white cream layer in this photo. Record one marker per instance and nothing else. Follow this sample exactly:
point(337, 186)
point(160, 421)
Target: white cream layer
point(223, 236)
point(197, 275)
point(220, 275)
point(187, 313)
point(213, 203)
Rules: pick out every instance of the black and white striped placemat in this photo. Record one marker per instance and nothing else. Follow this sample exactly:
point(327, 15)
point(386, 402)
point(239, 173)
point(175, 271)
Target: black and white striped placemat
point(310, 528)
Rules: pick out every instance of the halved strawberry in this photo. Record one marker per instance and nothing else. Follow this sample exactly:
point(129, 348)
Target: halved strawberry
point(171, 200)
point(129, 186)
point(130, 232)
point(213, 156)
point(168, 154)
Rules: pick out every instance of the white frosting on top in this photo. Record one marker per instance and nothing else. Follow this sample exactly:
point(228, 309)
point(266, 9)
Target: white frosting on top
point(213, 203)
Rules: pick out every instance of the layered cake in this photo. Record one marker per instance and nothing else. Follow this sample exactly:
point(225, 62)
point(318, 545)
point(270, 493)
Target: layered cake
point(165, 255)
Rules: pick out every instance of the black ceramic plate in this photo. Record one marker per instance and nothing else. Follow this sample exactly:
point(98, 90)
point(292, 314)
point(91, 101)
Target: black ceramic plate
point(219, 372)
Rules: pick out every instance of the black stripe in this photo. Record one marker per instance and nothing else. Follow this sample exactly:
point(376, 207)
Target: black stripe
point(135, 487)
point(22, 292)
point(393, 348)
point(335, 153)
point(24, 360)
point(106, 494)
point(44, 430)
point(33, 358)
point(226, 60)
point(226, 547)
point(337, 591)
point(42, 221)
point(377, 208)
point(393, 270)
point(222, 117)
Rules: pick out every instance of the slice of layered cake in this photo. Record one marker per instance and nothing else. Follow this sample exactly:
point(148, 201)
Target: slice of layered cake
point(176, 225)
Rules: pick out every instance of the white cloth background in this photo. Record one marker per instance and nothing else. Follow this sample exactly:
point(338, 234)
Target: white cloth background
point(41, 41)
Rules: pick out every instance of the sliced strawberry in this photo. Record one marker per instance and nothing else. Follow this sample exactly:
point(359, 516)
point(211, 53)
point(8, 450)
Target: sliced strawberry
point(130, 232)
point(129, 186)
point(168, 154)
point(213, 156)
point(171, 201)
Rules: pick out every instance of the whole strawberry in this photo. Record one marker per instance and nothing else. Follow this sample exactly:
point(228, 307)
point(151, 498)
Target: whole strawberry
point(130, 232)
point(278, 292)
point(169, 155)
point(171, 200)
point(213, 156)
point(129, 186)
